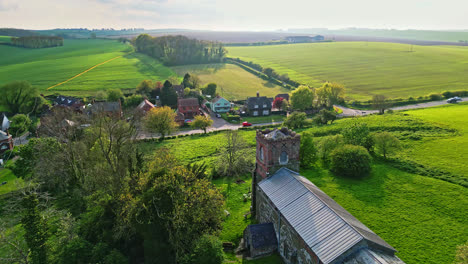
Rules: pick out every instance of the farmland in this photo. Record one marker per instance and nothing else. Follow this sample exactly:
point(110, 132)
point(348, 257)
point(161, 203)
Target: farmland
point(423, 217)
point(367, 68)
point(233, 82)
point(47, 67)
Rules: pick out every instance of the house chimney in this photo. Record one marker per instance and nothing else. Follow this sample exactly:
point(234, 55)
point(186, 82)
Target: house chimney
point(258, 94)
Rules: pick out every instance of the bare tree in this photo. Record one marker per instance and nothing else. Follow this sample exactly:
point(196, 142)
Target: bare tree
point(380, 102)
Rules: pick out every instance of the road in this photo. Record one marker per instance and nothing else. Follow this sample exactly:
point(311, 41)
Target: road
point(354, 112)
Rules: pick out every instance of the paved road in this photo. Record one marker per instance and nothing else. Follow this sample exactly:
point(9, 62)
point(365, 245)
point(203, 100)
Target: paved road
point(353, 112)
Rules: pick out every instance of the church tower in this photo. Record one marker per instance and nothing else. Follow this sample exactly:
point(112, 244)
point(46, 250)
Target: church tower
point(275, 149)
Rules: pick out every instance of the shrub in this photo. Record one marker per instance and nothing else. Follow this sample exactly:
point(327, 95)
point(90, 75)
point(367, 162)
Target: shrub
point(358, 134)
point(208, 249)
point(350, 161)
point(435, 97)
point(296, 120)
point(327, 145)
point(114, 95)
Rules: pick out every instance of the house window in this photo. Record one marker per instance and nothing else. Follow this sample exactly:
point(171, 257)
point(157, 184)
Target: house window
point(255, 113)
point(256, 106)
point(265, 112)
point(264, 105)
point(283, 159)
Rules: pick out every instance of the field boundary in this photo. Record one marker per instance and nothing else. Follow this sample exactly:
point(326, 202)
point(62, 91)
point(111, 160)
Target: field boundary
point(78, 75)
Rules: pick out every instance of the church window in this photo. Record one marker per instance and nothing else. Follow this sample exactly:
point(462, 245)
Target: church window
point(283, 159)
point(261, 154)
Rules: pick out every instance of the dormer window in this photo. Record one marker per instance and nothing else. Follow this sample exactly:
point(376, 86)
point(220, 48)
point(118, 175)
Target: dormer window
point(264, 105)
point(256, 106)
point(283, 159)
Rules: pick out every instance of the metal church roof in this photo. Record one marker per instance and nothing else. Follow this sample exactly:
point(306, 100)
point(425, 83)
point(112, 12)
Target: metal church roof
point(326, 227)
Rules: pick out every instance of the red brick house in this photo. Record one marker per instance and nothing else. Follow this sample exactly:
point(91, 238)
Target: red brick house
point(189, 107)
point(145, 106)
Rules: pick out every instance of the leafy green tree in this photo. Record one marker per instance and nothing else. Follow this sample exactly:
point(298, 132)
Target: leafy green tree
point(269, 72)
point(20, 123)
point(326, 146)
point(350, 161)
point(187, 92)
point(160, 120)
point(330, 94)
point(326, 116)
point(133, 100)
point(358, 134)
point(168, 95)
point(308, 152)
point(21, 97)
point(296, 120)
point(145, 87)
point(201, 122)
point(380, 102)
point(210, 89)
point(208, 250)
point(114, 95)
point(36, 229)
point(187, 82)
point(385, 143)
point(302, 98)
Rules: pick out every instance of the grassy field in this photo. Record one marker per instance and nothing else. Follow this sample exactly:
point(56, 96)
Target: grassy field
point(12, 184)
point(367, 68)
point(50, 66)
point(5, 38)
point(233, 82)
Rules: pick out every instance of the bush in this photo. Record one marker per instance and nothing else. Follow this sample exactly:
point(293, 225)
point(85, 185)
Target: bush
point(114, 95)
point(296, 120)
point(133, 100)
point(208, 249)
point(350, 161)
point(435, 97)
point(327, 145)
point(358, 134)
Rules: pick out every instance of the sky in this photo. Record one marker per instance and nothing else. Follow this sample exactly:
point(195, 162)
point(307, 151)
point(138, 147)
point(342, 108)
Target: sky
point(235, 15)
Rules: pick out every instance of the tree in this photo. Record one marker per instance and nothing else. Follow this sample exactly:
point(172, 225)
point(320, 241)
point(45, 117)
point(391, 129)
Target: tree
point(168, 95)
point(210, 89)
point(114, 95)
point(350, 161)
point(21, 97)
point(386, 143)
point(330, 94)
point(285, 105)
point(145, 87)
point(195, 81)
point(307, 152)
point(20, 123)
point(461, 256)
point(278, 102)
point(326, 146)
point(209, 250)
point(201, 122)
point(326, 115)
point(187, 92)
point(186, 81)
point(161, 120)
point(379, 102)
point(36, 229)
point(269, 72)
point(233, 160)
point(358, 134)
point(295, 120)
point(302, 98)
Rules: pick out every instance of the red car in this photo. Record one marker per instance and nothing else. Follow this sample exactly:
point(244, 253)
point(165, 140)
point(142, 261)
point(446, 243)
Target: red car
point(246, 124)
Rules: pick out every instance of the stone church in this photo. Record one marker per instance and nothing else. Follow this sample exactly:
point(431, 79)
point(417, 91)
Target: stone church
point(297, 219)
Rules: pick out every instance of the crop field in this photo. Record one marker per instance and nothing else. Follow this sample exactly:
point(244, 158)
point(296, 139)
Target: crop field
point(234, 83)
point(367, 68)
point(423, 217)
point(118, 67)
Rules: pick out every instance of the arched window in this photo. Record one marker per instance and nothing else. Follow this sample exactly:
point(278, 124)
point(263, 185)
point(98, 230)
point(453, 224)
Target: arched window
point(283, 159)
point(260, 156)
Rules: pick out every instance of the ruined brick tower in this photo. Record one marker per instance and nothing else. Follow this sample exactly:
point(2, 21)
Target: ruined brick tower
point(275, 149)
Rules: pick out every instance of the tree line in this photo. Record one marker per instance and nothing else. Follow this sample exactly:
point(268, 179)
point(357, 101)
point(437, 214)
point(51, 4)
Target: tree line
point(180, 50)
point(37, 42)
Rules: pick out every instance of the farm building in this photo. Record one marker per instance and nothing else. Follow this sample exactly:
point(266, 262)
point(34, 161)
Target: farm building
point(188, 106)
point(310, 227)
point(145, 106)
point(259, 105)
point(220, 105)
point(109, 108)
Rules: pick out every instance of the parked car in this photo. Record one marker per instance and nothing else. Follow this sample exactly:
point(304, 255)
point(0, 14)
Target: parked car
point(246, 124)
point(187, 121)
point(453, 100)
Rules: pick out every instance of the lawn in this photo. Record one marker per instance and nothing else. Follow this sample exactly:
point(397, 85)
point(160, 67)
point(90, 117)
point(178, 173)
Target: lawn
point(50, 66)
point(234, 83)
point(12, 184)
point(263, 119)
point(367, 68)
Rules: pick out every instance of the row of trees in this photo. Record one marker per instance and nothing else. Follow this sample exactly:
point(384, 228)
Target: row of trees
point(37, 42)
point(179, 50)
point(326, 96)
point(123, 208)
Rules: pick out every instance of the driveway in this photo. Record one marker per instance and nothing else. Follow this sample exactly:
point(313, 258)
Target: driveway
point(354, 112)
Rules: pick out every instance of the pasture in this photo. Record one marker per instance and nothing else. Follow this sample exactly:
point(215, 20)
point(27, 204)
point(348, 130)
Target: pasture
point(367, 68)
point(423, 217)
point(119, 67)
point(234, 83)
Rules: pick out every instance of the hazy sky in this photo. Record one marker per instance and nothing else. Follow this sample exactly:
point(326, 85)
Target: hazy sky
point(235, 14)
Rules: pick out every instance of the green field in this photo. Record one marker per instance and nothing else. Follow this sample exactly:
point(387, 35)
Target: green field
point(5, 38)
point(50, 66)
point(233, 82)
point(367, 68)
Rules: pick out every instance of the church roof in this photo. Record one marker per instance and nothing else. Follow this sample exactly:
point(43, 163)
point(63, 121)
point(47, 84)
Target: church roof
point(326, 227)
